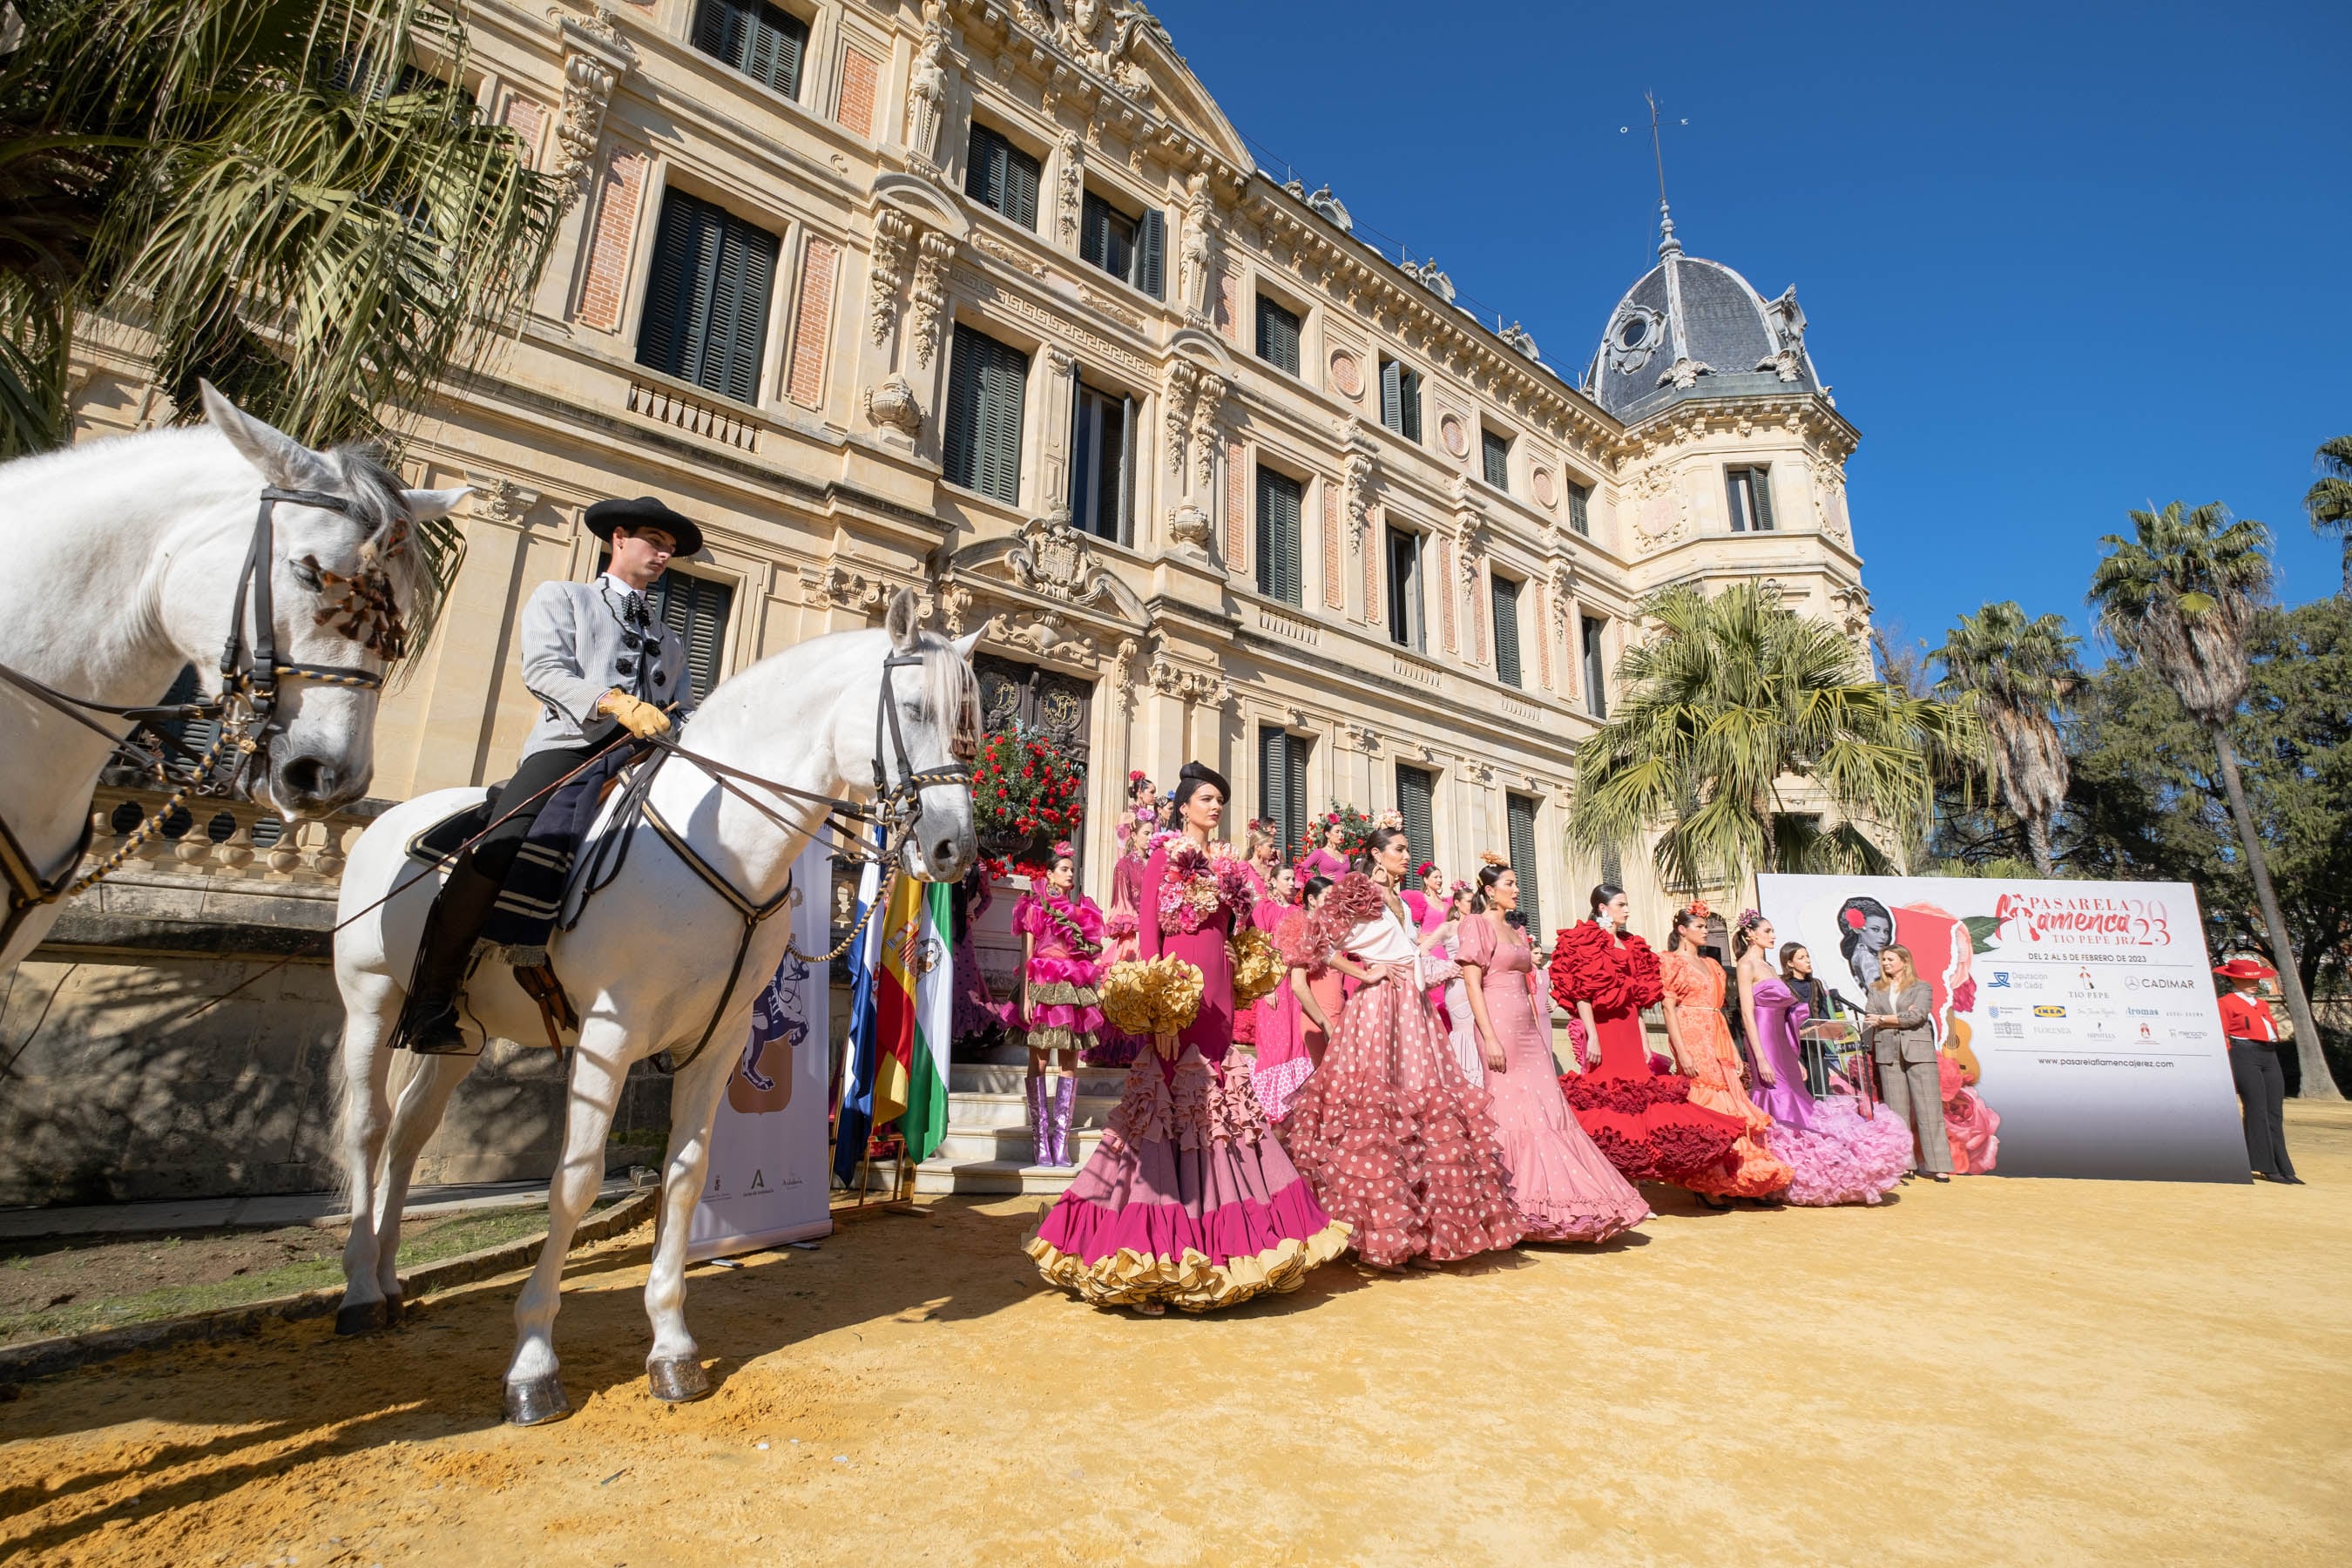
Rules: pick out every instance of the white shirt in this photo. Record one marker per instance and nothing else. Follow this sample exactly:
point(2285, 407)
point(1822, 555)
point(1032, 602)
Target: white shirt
point(1383, 939)
point(622, 593)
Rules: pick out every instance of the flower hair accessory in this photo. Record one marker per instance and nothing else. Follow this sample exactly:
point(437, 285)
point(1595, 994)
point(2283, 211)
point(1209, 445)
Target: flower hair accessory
point(1698, 909)
point(1393, 819)
point(1424, 868)
point(1065, 850)
point(1136, 776)
point(1488, 857)
point(1750, 919)
point(1459, 887)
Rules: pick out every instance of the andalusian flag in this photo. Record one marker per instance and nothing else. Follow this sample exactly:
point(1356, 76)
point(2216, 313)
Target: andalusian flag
point(914, 1004)
point(854, 1125)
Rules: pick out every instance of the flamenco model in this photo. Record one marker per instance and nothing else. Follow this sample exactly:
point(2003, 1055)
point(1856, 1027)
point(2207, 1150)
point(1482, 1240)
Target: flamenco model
point(1644, 1121)
point(1187, 1199)
point(1702, 1043)
point(1836, 1153)
point(1398, 1143)
point(1061, 934)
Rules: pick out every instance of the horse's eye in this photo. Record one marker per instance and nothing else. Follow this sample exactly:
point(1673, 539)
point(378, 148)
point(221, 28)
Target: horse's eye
point(305, 572)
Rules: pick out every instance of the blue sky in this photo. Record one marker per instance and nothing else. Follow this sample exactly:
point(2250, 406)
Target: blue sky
point(2058, 260)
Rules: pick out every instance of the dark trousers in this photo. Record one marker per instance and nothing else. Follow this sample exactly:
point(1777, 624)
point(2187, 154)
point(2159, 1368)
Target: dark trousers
point(2262, 1091)
point(494, 856)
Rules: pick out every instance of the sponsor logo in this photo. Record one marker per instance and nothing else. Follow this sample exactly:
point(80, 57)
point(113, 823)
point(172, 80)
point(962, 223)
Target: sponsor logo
point(2050, 1010)
point(2098, 1032)
point(2090, 981)
point(2158, 983)
point(1999, 980)
point(2142, 1012)
point(2145, 1033)
point(2009, 1031)
point(2179, 1033)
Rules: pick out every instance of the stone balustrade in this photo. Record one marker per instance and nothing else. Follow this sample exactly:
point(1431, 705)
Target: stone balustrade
point(238, 839)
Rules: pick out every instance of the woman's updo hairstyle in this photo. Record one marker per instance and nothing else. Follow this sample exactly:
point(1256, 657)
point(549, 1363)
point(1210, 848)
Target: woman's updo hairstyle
point(1196, 777)
point(1742, 938)
point(1380, 839)
point(1316, 887)
point(1488, 875)
point(1688, 927)
point(1600, 897)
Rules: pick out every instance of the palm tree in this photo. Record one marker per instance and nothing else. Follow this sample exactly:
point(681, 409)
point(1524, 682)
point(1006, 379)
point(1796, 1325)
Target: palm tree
point(1735, 705)
point(2329, 501)
point(2180, 596)
point(2020, 670)
point(282, 196)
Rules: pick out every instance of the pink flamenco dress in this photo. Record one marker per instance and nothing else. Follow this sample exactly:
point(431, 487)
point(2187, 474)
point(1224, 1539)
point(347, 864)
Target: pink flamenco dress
point(1838, 1152)
point(1283, 1059)
point(1563, 1188)
point(1397, 1141)
point(1188, 1199)
point(1067, 938)
point(1113, 1046)
point(1694, 989)
point(1644, 1121)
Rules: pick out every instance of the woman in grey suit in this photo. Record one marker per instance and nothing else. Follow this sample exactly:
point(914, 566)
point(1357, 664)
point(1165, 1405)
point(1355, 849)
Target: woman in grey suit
point(1895, 1013)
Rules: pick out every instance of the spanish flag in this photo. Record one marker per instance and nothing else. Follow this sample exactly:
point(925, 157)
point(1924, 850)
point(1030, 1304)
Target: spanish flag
point(914, 1004)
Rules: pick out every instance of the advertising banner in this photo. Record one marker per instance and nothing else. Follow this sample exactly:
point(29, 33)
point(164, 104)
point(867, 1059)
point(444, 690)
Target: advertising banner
point(767, 1183)
point(2080, 1014)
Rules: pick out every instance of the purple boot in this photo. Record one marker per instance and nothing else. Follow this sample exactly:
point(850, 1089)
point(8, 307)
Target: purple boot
point(1065, 1104)
point(1041, 1125)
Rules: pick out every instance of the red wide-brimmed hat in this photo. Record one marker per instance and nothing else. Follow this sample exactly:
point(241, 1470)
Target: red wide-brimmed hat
point(2246, 969)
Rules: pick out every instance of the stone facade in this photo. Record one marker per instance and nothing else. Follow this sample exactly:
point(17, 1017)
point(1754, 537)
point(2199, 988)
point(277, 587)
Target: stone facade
point(826, 489)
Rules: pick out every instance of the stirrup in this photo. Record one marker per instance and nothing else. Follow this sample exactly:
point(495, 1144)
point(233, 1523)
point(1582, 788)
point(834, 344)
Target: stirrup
point(437, 1035)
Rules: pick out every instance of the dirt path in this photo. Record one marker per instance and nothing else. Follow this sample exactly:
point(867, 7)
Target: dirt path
point(1994, 1372)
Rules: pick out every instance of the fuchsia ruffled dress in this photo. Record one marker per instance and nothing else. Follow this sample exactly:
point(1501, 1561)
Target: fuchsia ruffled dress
point(1398, 1143)
point(1188, 1199)
point(1837, 1152)
point(1067, 938)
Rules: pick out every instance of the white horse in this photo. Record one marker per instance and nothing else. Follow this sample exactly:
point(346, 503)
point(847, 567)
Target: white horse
point(120, 562)
point(647, 965)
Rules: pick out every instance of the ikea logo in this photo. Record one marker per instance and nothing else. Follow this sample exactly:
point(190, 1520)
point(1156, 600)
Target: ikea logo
point(2050, 1010)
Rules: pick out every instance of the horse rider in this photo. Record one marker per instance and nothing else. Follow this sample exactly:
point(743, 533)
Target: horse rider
point(601, 664)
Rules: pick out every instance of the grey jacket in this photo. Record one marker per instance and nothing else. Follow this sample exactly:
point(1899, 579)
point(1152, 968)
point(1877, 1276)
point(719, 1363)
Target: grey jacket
point(571, 656)
point(1909, 1040)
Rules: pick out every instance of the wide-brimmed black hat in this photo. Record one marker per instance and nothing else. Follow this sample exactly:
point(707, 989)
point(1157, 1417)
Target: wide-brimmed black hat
point(643, 513)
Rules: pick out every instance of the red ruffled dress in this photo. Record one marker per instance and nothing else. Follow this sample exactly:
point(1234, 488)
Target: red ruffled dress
point(1644, 1123)
point(1398, 1143)
point(1188, 1199)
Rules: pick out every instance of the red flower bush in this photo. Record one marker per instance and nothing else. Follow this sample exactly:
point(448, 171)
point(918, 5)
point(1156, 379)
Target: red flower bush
point(1028, 791)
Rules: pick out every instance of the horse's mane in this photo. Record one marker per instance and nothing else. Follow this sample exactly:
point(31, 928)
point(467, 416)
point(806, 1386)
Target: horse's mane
point(951, 691)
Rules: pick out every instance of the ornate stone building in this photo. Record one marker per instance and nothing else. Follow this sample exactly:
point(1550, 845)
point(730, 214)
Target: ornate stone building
point(989, 298)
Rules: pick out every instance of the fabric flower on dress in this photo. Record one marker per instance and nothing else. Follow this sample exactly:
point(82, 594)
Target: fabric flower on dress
point(1255, 971)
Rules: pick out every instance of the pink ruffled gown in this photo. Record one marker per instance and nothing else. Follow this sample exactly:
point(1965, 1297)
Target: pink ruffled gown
point(1113, 1046)
point(1188, 1199)
point(1563, 1188)
point(1398, 1143)
point(1836, 1153)
point(1063, 1014)
point(1283, 1058)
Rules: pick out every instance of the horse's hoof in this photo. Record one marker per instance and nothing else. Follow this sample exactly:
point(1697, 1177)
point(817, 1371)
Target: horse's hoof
point(363, 1317)
point(676, 1379)
point(536, 1401)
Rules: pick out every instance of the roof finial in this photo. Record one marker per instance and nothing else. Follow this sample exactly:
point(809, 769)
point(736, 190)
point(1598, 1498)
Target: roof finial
point(1667, 244)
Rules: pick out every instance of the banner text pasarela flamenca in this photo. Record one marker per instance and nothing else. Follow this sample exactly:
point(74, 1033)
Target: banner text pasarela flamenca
point(2117, 922)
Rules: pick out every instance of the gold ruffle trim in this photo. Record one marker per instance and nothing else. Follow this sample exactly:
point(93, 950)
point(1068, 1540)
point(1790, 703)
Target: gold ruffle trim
point(1190, 1282)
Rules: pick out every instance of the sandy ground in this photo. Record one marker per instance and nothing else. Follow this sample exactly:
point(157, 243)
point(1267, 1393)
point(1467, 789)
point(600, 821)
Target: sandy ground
point(1994, 1372)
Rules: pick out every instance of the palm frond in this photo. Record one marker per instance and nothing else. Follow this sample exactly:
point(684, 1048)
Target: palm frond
point(2181, 594)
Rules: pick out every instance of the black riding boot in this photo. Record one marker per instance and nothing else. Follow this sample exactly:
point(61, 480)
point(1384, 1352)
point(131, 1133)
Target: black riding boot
point(456, 924)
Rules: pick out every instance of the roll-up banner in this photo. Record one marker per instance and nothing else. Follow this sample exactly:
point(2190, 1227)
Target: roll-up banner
point(2084, 1012)
point(768, 1181)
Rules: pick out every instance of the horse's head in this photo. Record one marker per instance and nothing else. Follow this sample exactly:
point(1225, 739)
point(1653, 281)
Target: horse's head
point(355, 585)
point(937, 704)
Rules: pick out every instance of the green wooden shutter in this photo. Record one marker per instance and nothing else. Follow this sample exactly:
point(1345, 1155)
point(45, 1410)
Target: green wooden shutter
point(707, 297)
point(1277, 336)
point(1409, 399)
point(1416, 794)
point(980, 441)
point(1519, 815)
point(1759, 486)
point(1281, 518)
point(1000, 175)
point(1392, 396)
point(1021, 173)
point(1497, 454)
point(697, 608)
point(1735, 504)
point(1094, 231)
point(1505, 595)
point(1274, 777)
point(746, 281)
point(960, 431)
point(763, 42)
point(1294, 803)
point(1579, 509)
point(1150, 254)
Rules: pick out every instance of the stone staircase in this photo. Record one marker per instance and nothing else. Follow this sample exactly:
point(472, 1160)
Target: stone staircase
point(987, 1147)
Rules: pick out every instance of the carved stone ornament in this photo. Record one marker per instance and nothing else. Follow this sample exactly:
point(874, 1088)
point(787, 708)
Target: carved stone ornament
point(1054, 559)
point(1853, 603)
point(955, 607)
point(1356, 495)
point(1361, 738)
point(1098, 35)
point(1188, 526)
point(1347, 374)
point(500, 499)
point(1196, 257)
point(934, 252)
point(891, 232)
point(1829, 500)
point(1685, 372)
point(1633, 337)
point(893, 403)
point(1547, 493)
point(1563, 589)
point(1073, 183)
point(1045, 637)
point(1331, 208)
point(926, 90)
point(1121, 670)
point(840, 587)
point(595, 57)
point(1520, 340)
point(1661, 512)
point(1176, 407)
point(1456, 438)
point(1208, 402)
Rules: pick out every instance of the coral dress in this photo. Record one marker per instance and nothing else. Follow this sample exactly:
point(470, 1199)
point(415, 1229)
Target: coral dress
point(1187, 1199)
point(1838, 1153)
point(1643, 1121)
point(1563, 1188)
point(1694, 989)
point(1397, 1141)
point(1065, 936)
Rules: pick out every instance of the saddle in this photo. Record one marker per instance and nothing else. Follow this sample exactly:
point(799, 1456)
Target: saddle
point(438, 846)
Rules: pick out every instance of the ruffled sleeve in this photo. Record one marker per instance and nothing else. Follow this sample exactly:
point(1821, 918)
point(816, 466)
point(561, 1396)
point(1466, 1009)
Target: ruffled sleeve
point(1088, 917)
point(1642, 986)
point(1299, 942)
point(1028, 917)
point(1584, 968)
point(1474, 942)
point(1351, 902)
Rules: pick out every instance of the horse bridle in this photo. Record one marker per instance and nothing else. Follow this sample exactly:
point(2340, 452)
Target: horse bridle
point(250, 672)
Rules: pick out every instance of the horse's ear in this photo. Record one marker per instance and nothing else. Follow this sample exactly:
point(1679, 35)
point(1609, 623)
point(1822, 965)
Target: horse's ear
point(902, 621)
point(963, 646)
point(423, 506)
point(281, 459)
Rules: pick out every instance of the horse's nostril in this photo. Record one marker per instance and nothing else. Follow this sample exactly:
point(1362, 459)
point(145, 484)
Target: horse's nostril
point(312, 778)
point(942, 852)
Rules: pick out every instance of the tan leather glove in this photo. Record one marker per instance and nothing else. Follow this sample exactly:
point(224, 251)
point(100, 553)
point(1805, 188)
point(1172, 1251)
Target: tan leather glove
point(639, 717)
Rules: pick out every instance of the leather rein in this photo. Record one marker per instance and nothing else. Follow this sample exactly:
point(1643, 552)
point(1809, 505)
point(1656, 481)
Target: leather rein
point(245, 709)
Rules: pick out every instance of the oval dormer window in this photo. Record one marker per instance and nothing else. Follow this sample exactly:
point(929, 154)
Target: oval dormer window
point(1632, 331)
